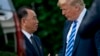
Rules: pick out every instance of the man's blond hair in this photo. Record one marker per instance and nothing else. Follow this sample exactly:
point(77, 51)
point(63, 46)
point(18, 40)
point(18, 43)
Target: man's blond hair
point(72, 2)
point(61, 2)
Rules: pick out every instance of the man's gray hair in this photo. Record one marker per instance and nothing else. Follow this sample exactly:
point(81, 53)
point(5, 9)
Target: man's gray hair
point(71, 2)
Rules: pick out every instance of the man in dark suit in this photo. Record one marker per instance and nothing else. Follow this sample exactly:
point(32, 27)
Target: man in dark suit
point(29, 24)
point(77, 41)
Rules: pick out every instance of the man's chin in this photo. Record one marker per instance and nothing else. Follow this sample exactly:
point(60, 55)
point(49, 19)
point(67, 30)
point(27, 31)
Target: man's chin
point(34, 30)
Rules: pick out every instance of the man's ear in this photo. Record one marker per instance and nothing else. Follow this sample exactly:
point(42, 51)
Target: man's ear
point(23, 20)
point(77, 7)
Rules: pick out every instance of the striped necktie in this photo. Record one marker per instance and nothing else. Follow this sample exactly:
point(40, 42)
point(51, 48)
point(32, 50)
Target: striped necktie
point(69, 46)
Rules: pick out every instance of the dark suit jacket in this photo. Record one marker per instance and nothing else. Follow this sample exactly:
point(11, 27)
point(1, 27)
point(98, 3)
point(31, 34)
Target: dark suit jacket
point(31, 49)
point(93, 17)
point(87, 42)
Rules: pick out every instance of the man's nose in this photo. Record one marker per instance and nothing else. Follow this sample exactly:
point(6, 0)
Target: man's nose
point(63, 12)
point(37, 21)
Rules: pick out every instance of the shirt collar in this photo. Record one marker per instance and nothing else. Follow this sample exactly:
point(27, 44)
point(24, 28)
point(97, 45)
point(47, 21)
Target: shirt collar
point(79, 19)
point(27, 34)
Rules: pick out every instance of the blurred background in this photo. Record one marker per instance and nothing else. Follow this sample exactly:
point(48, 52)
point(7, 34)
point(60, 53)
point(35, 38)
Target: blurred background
point(50, 29)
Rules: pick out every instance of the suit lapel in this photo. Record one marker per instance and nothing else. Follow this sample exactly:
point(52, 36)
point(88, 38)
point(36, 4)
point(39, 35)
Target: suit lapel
point(39, 47)
point(77, 40)
point(66, 29)
point(35, 45)
point(30, 46)
point(65, 33)
point(76, 43)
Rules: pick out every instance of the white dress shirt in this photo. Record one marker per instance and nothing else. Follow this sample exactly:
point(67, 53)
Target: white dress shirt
point(27, 35)
point(79, 20)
